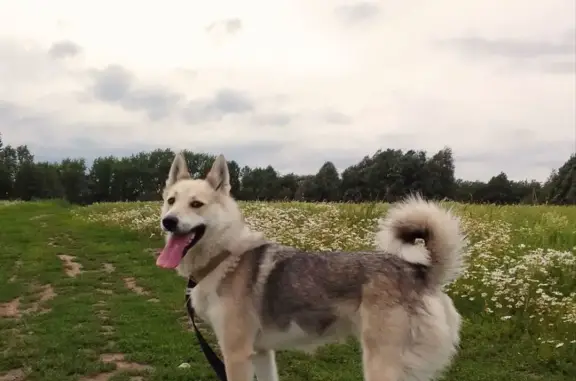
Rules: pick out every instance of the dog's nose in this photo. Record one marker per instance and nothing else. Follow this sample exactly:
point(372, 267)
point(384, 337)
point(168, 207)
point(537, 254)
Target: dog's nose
point(170, 223)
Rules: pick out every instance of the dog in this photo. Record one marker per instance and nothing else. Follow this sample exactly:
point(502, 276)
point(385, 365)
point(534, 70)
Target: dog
point(259, 296)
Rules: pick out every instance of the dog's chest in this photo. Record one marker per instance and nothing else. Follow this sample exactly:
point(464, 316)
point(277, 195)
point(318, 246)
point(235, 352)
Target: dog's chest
point(208, 307)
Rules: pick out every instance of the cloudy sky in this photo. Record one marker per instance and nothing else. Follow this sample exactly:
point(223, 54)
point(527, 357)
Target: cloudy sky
point(294, 83)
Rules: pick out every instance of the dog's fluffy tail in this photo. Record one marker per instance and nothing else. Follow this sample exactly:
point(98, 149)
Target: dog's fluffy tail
point(422, 232)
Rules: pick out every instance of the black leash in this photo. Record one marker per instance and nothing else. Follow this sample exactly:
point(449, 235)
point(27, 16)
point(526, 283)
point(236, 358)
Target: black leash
point(212, 357)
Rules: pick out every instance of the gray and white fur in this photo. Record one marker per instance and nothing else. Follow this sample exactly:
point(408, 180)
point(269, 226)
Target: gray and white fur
point(260, 297)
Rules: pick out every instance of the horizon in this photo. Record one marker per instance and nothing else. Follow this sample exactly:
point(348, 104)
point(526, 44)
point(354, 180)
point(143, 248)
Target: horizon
point(90, 161)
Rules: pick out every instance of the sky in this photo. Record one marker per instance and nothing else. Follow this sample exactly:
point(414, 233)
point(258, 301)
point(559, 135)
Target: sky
point(294, 83)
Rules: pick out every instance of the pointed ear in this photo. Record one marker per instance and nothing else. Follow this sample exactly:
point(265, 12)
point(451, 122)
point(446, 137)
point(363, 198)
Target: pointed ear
point(219, 177)
point(178, 170)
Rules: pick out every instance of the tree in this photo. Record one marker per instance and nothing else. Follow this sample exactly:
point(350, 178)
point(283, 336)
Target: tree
point(100, 179)
point(327, 183)
point(441, 181)
point(561, 186)
point(73, 180)
point(27, 181)
point(498, 190)
point(387, 175)
point(8, 165)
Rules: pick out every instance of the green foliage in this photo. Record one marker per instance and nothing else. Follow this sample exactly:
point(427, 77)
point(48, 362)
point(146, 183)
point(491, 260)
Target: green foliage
point(385, 176)
point(517, 295)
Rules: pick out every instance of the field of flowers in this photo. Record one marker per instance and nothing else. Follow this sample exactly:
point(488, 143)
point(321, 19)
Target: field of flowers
point(521, 260)
point(82, 300)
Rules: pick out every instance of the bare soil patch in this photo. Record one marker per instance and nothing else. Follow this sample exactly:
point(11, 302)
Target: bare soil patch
point(13, 375)
point(72, 268)
point(99, 377)
point(109, 268)
point(45, 294)
point(118, 360)
point(131, 285)
point(13, 308)
point(107, 330)
point(10, 309)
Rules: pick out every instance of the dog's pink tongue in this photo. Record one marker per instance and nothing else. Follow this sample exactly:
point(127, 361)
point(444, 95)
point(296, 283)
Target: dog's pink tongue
point(171, 255)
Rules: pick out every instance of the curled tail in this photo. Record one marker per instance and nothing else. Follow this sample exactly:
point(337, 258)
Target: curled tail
point(414, 220)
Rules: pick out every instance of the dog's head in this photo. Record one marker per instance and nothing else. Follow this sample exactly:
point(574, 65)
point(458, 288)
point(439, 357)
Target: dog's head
point(195, 211)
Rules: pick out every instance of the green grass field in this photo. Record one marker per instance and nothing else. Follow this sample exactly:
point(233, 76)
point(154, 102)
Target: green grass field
point(81, 297)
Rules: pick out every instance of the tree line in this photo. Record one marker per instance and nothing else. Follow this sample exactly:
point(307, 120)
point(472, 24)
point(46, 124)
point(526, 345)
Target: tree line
point(387, 175)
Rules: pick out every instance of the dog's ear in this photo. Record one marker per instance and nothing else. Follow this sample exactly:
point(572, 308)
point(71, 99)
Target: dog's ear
point(178, 170)
point(219, 177)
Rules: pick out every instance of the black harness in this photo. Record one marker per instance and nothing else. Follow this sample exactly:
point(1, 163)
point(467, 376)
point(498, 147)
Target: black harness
point(212, 357)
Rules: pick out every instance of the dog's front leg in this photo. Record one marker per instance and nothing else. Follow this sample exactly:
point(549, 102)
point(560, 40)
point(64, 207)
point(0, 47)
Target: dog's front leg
point(237, 345)
point(237, 350)
point(238, 367)
point(265, 366)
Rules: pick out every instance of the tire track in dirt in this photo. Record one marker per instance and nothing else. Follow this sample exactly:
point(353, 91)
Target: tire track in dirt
point(72, 268)
point(118, 359)
point(130, 284)
point(13, 375)
point(15, 308)
point(107, 329)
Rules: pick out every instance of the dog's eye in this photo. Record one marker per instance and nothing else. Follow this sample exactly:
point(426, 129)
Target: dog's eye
point(196, 204)
point(171, 200)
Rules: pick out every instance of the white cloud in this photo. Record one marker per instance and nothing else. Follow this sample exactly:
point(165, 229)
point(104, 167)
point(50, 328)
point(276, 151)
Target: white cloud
point(299, 82)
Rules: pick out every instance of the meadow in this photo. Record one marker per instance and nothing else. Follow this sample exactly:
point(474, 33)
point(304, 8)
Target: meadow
point(81, 298)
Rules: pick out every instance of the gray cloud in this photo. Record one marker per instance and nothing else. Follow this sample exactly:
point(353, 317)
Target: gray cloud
point(231, 25)
point(22, 125)
point(225, 101)
point(16, 118)
point(512, 48)
point(273, 119)
point(23, 65)
point(64, 49)
point(83, 149)
point(157, 102)
point(565, 44)
point(547, 56)
point(251, 154)
point(530, 160)
point(359, 12)
point(336, 117)
point(524, 157)
point(559, 67)
point(115, 84)
point(284, 156)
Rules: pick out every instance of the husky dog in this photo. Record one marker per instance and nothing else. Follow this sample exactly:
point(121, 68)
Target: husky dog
point(259, 296)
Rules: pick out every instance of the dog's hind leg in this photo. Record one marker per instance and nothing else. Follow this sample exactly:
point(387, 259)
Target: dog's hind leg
point(265, 366)
point(382, 334)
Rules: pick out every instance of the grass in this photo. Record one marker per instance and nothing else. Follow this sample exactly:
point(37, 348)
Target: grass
point(121, 313)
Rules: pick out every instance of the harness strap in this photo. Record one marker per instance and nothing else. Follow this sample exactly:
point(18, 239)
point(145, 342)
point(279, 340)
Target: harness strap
point(215, 362)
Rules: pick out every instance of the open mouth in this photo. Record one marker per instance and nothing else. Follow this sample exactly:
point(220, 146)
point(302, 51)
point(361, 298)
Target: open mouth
point(178, 245)
point(194, 236)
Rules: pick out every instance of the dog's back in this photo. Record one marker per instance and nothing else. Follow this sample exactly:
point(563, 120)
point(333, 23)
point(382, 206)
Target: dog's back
point(390, 299)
